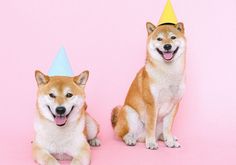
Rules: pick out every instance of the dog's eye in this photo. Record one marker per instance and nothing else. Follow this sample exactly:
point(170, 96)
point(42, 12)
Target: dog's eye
point(52, 95)
point(173, 37)
point(159, 39)
point(68, 95)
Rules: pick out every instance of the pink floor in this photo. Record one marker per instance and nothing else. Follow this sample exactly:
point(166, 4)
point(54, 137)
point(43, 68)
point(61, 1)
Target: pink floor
point(108, 38)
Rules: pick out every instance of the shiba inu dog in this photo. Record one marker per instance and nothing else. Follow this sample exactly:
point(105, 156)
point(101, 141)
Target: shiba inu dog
point(63, 127)
point(154, 96)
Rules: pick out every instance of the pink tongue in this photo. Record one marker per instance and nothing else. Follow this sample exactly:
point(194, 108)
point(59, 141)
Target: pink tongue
point(168, 56)
point(60, 120)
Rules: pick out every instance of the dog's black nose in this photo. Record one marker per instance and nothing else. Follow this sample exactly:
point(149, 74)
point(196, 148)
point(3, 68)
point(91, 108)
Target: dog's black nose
point(167, 46)
point(60, 110)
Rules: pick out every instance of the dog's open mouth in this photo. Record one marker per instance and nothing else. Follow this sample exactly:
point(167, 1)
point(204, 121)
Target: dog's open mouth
point(61, 120)
point(168, 55)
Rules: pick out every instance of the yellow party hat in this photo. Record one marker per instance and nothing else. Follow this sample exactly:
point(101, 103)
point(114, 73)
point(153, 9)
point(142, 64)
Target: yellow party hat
point(168, 15)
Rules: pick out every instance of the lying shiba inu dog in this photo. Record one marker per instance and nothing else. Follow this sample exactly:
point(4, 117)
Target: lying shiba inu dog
point(153, 98)
point(63, 127)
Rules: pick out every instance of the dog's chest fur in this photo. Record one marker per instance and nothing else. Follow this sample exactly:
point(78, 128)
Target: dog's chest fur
point(167, 86)
point(58, 140)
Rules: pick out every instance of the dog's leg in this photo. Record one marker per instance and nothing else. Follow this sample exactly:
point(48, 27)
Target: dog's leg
point(159, 130)
point(43, 157)
point(82, 156)
point(150, 127)
point(92, 129)
point(135, 126)
point(169, 139)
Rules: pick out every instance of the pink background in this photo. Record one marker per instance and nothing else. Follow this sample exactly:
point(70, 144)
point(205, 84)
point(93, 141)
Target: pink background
point(108, 38)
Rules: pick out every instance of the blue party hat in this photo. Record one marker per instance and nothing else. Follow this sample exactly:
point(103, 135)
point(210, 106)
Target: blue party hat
point(61, 65)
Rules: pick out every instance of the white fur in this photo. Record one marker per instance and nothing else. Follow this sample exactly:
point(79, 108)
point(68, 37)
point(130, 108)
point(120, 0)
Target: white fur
point(68, 139)
point(136, 127)
point(132, 118)
point(42, 105)
point(169, 139)
point(91, 125)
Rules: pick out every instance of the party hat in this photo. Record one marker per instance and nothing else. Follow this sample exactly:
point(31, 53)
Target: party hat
point(61, 65)
point(168, 15)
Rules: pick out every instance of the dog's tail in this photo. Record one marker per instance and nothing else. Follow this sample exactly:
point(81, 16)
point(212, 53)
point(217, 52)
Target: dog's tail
point(115, 115)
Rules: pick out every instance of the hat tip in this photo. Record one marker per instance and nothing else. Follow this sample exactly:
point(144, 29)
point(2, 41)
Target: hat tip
point(61, 65)
point(168, 15)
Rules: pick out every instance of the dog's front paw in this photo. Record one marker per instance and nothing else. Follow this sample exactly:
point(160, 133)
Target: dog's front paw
point(95, 142)
point(172, 143)
point(151, 144)
point(129, 139)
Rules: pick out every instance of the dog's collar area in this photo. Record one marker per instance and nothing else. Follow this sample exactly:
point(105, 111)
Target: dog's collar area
point(162, 53)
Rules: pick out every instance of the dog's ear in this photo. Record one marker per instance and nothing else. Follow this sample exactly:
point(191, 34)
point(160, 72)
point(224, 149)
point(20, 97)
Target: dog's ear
point(150, 27)
point(41, 78)
point(82, 78)
point(180, 27)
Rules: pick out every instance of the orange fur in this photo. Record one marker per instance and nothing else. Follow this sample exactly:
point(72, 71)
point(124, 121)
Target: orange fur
point(140, 97)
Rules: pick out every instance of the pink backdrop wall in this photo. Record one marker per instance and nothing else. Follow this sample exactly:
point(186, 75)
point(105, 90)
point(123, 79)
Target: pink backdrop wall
point(108, 37)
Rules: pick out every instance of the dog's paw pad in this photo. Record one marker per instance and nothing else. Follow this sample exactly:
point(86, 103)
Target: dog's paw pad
point(129, 140)
point(94, 142)
point(172, 144)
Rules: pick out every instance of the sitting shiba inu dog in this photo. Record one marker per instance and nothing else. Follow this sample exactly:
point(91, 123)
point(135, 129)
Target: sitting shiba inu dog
point(154, 96)
point(63, 127)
